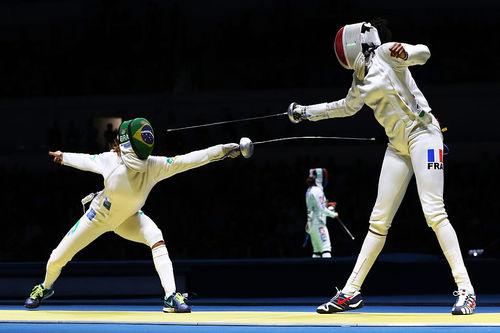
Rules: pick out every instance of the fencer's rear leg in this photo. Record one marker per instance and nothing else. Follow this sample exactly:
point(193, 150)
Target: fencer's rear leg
point(394, 178)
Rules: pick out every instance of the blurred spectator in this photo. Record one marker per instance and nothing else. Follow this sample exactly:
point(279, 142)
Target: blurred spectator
point(109, 136)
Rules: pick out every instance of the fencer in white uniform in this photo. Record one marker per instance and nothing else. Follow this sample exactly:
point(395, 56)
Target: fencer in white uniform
point(382, 80)
point(317, 212)
point(129, 173)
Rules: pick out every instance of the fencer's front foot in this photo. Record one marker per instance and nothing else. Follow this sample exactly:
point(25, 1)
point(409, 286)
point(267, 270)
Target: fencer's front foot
point(296, 113)
point(175, 303)
point(341, 302)
point(465, 304)
point(37, 295)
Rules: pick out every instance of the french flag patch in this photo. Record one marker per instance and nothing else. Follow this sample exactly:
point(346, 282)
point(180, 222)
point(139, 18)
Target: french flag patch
point(435, 159)
point(431, 156)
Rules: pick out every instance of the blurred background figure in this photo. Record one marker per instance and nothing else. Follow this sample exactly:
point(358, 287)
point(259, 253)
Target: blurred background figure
point(109, 136)
point(318, 209)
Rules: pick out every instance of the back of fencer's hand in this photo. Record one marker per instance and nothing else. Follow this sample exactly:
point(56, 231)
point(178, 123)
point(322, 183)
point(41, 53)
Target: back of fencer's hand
point(231, 149)
point(57, 155)
point(296, 112)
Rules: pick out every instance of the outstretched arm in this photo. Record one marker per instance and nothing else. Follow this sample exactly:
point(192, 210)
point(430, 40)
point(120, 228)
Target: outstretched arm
point(164, 167)
point(345, 107)
point(83, 162)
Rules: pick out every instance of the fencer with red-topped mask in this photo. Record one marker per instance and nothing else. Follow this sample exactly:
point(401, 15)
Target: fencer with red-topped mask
point(382, 80)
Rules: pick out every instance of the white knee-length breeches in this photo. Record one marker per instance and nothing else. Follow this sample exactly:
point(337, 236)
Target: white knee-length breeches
point(424, 159)
point(320, 238)
point(138, 228)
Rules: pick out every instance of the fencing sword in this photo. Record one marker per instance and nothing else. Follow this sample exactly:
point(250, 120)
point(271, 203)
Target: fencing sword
point(307, 237)
point(246, 145)
point(290, 113)
point(227, 122)
point(345, 228)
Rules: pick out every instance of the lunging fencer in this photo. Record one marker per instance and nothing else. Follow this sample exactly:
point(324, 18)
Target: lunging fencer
point(382, 80)
point(318, 209)
point(130, 172)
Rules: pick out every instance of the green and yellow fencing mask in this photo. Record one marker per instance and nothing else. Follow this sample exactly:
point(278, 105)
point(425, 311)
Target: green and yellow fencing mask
point(140, 134)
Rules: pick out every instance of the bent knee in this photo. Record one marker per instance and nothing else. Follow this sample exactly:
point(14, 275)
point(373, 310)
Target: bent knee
point(380, 228)
point(437, 222)
point(436, 219)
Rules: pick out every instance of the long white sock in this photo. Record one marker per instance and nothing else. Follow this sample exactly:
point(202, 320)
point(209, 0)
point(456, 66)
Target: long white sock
point(448, 241)
point(163, 266)
point(370, 250)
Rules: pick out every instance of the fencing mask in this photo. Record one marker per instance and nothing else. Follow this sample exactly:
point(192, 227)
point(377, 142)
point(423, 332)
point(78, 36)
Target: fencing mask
point(320, 176)
point(140, 134)
point(352, 39)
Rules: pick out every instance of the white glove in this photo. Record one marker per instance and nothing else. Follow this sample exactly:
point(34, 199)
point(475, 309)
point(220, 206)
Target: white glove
point(231, 149)
point(296, 113)
point(332, 209)
point(359, 66)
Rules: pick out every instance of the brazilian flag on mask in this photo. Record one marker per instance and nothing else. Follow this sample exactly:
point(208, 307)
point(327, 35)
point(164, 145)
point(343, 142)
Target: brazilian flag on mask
point(140, 134)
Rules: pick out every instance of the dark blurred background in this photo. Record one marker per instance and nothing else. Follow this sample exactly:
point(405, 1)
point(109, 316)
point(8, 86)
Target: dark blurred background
point(71, 70)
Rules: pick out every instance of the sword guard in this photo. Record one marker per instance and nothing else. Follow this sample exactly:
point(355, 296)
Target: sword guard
point(294, 118)
point(246, 147)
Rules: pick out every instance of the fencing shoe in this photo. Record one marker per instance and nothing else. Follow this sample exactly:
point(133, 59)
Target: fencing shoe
point(465, 304)
point(38, 294)
point(175, 303)
point(341, 302)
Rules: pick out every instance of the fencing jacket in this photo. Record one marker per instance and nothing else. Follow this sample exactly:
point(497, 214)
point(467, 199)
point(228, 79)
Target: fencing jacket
point(316, 206)
point(126, 191)
point(389, 89)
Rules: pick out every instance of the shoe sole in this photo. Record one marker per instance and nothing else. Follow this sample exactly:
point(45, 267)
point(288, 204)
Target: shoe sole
point(333, 309)
point(172, 310)
point(457, 312)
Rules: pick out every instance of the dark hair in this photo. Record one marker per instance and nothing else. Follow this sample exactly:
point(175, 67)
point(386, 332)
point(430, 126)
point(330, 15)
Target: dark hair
point(310, 181)
point(384, 32)
point(115, 146)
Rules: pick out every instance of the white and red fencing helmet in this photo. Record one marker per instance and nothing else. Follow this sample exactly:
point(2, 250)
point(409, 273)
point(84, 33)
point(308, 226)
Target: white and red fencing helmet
point(352, 39)
point(320, 176)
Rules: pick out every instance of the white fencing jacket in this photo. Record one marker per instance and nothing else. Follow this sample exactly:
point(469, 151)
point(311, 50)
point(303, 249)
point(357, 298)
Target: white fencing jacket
point(126, 191)
point(316, 207)
point(389, 89)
